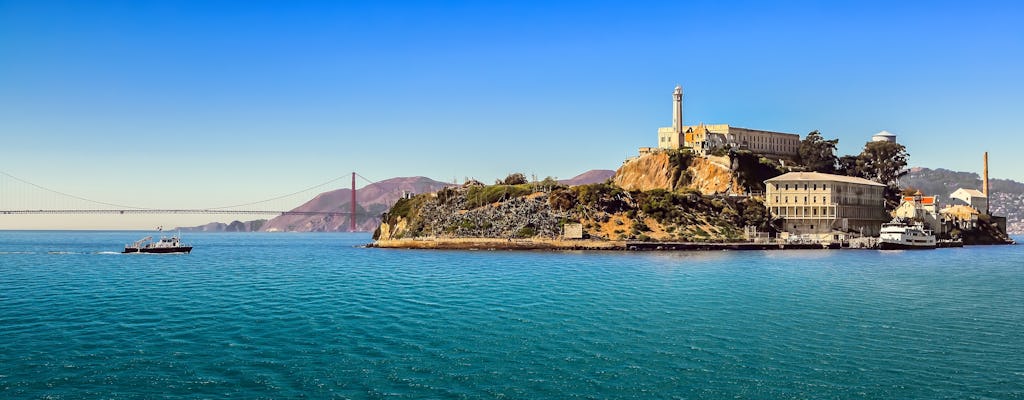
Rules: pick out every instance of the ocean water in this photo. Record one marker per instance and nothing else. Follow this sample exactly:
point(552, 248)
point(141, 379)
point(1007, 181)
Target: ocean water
point(315, 316)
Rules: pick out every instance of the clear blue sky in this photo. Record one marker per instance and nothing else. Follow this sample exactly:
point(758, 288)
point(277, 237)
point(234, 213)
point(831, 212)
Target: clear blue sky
point(247, 100)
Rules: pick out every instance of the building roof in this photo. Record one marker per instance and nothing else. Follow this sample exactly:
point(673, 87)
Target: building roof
point(971, 192)
point(885, 133)
point(925, 200)
point(818, 176)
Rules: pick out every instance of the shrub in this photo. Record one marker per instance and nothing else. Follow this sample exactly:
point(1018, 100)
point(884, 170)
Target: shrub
point(478, 196)
point(515, 178)
point(527, 231)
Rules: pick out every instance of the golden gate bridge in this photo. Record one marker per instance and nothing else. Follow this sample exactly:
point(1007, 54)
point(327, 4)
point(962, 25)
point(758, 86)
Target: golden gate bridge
point(22, 197)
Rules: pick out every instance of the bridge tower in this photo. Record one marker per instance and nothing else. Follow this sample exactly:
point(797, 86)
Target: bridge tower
point(352, 216)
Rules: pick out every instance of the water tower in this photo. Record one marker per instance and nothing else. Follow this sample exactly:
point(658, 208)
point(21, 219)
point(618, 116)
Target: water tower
point(884, 136)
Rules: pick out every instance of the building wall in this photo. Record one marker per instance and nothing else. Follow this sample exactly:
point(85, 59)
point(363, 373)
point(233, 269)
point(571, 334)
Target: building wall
point(668, 138)
point(817, 207)
point(926, 213)
point(766, 142)
point(706, 138)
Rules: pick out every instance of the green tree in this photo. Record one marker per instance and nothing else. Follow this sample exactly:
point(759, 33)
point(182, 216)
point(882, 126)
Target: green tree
point(818, 154)
point(516, 178)
point(847, 165)
point(884, 162)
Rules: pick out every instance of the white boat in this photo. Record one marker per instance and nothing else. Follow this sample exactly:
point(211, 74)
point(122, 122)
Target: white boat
point(900, 235)
point(171, 244)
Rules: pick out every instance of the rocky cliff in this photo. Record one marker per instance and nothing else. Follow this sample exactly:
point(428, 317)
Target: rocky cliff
point(738, 173)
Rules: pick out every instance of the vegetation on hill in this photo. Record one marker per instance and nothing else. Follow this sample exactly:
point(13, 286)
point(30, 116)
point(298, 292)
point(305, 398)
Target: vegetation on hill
point(606, 211)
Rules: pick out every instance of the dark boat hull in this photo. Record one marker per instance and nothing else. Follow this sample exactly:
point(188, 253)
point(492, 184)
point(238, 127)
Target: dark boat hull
point(159, 250)
point(900, 246)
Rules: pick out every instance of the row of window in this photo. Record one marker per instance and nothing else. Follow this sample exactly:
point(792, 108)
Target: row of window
point(804, 212)
point(824, 186)
point(814, 199)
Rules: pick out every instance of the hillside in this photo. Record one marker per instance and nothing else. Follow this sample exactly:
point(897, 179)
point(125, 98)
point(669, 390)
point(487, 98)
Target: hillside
point(606, 212)
point(1007, 196)
point(666, 196)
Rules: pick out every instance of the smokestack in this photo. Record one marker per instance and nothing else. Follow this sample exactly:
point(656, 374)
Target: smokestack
point(984, 183)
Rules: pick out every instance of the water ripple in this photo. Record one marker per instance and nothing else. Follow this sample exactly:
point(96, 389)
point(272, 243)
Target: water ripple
point(282, 316)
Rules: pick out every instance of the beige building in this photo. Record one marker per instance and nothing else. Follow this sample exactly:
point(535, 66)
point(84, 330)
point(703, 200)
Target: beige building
point(923, 209)
point(703, 139)
point(822, 206)
point(970, 197)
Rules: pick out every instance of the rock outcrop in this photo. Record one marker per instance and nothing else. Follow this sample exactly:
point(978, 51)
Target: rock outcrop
point(674, 171)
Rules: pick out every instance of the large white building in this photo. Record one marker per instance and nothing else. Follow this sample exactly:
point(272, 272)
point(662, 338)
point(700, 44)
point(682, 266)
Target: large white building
point(821, 206)
point(703, 139)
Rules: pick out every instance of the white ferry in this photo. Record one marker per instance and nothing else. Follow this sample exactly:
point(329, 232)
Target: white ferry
point(172, 244)
point(899, 235)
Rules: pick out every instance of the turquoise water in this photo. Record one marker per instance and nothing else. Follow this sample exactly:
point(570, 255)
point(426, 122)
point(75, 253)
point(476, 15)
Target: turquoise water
point(312, 315)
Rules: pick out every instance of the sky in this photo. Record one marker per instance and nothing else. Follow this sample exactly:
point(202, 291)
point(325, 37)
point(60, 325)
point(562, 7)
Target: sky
point(183, 104)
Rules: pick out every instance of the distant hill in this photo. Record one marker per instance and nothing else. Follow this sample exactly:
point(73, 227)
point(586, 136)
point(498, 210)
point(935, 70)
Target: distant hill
point(1007, 196)
point(371, 201)
point(589, 177)
point(234, 226)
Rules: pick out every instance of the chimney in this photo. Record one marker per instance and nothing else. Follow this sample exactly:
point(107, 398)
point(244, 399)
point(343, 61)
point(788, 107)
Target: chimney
point(984, 183)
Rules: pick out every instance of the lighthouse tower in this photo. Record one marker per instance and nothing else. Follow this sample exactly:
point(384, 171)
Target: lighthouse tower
point(677, 110)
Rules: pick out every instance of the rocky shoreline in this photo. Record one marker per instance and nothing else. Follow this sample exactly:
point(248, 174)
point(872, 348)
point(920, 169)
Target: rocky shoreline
point(434, 243)
point(497, 244)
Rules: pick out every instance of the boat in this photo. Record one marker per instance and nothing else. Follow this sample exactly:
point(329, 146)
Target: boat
point(171, 244)
point(900, 235)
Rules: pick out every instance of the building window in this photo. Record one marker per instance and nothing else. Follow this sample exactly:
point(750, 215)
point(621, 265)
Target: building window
point(812, 226)
point(776, 199)
point(805, 199)
point(824, 186)
point(787, 186)
point(805, 186)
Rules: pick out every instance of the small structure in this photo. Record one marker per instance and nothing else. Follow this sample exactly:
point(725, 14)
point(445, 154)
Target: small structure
point(969, 197)
point(884, 136)
point(962, 217)
point(572, 231)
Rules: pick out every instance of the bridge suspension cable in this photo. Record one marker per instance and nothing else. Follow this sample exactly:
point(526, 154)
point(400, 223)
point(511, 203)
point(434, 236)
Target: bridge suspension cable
point(17, 201)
